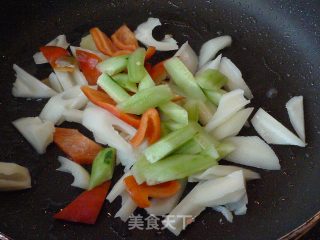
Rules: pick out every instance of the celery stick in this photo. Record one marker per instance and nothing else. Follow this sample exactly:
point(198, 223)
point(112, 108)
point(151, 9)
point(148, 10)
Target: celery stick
point(224, 148)
point(146, 82)
point(190, 147)
point(175, 112)
point(145, 99)
point(214, 95)
point(170, 142)
point(102, 167)
point(164, 130)
point(211, 79)
point(172, 125)
point(207, 143)
point(113, 65)
point(136, 69)
point(123, 80)
point(174, 167)
point(116, 92)
point(193, 110)
point(183, 78)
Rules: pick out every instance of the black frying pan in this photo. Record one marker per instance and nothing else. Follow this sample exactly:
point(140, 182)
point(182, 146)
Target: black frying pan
point(276, 45)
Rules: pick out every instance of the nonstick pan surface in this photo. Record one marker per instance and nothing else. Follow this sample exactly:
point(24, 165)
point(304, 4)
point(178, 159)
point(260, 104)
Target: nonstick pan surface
point(275, 44)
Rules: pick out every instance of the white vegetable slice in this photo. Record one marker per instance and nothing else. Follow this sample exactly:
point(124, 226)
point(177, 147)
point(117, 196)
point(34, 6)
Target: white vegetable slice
point(233, 125)
point(14, 177)
point(162, 206)
point(296, 114)
point(234, 76)
point(239, 207)
point(229, 104)
point(206, 111)
point(144, 34)
point(222, 171)
point(27, 85)
point(214, 64)
point(210, 48)
point(60, 41)
point(102, 123)
point(78, 77)
point(73, 115)
point(37, 132)
point(254, 152)
point(81, 176)
point(65, 79)
point(118, 188)
point(87, 42)
point(53, 111)
point(54, 83)
point(126, 210)
point(187, 55)
point(225, 212)
point(272, 131)
point(209, 193)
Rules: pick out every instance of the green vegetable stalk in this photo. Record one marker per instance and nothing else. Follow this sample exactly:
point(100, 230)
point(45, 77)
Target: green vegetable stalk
point(211, 79)
point(122, 80)
point(174, 112)
point(113, 65)
point(136, 70)
point(102, 167)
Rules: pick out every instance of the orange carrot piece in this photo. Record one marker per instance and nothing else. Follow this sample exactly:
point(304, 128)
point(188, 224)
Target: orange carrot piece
point(124, 39)
point(140, 193)
point(150, 52)
point(102, 41)
point(78, 147)
point(149, 127)
point(103, 100)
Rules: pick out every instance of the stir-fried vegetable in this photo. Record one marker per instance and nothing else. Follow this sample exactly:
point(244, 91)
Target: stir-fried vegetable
point(102, 167)
point(14, 177)
point(81, 149)
point(141, 193)
point(296, 115)
point(88, 64)
point(86, 207)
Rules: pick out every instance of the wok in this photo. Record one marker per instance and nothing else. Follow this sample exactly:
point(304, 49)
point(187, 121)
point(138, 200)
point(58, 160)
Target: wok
point(275, 44)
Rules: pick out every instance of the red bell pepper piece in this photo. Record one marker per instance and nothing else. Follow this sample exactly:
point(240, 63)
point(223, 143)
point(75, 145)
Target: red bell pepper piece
point(150, 52)
point(149, 127)
point(87, 63)
point(52, 53)
point(86, 207)
point(140, 193)
point(103, 100)
point(81, 149)
point(158, 72)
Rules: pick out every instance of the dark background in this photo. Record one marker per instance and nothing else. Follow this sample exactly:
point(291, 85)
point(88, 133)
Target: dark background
point(275, 44)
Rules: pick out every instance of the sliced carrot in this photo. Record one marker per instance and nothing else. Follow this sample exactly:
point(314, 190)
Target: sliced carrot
point(149, 127)
point(103, 100)
point(150, 52)
point(78, 147)
point(103, 42)
point(140, 193)
point(52, 53)
point(86, 207)
point(87, 64)
point(158, 72)
point(124, 39)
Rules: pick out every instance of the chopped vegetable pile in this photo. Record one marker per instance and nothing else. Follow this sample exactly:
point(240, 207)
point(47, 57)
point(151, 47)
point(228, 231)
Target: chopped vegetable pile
point(167, 124)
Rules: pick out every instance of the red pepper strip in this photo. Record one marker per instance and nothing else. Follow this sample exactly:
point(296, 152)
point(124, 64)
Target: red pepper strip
point(124, 39)
point(86, 207)
point(102, 41)
point(87, 64)
point(150, 52)
point(52, 53)
point(78, 147)
point(149, 127)
point(140, 193)
point(148, 67)
point(158, 72)
point(104, 101)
